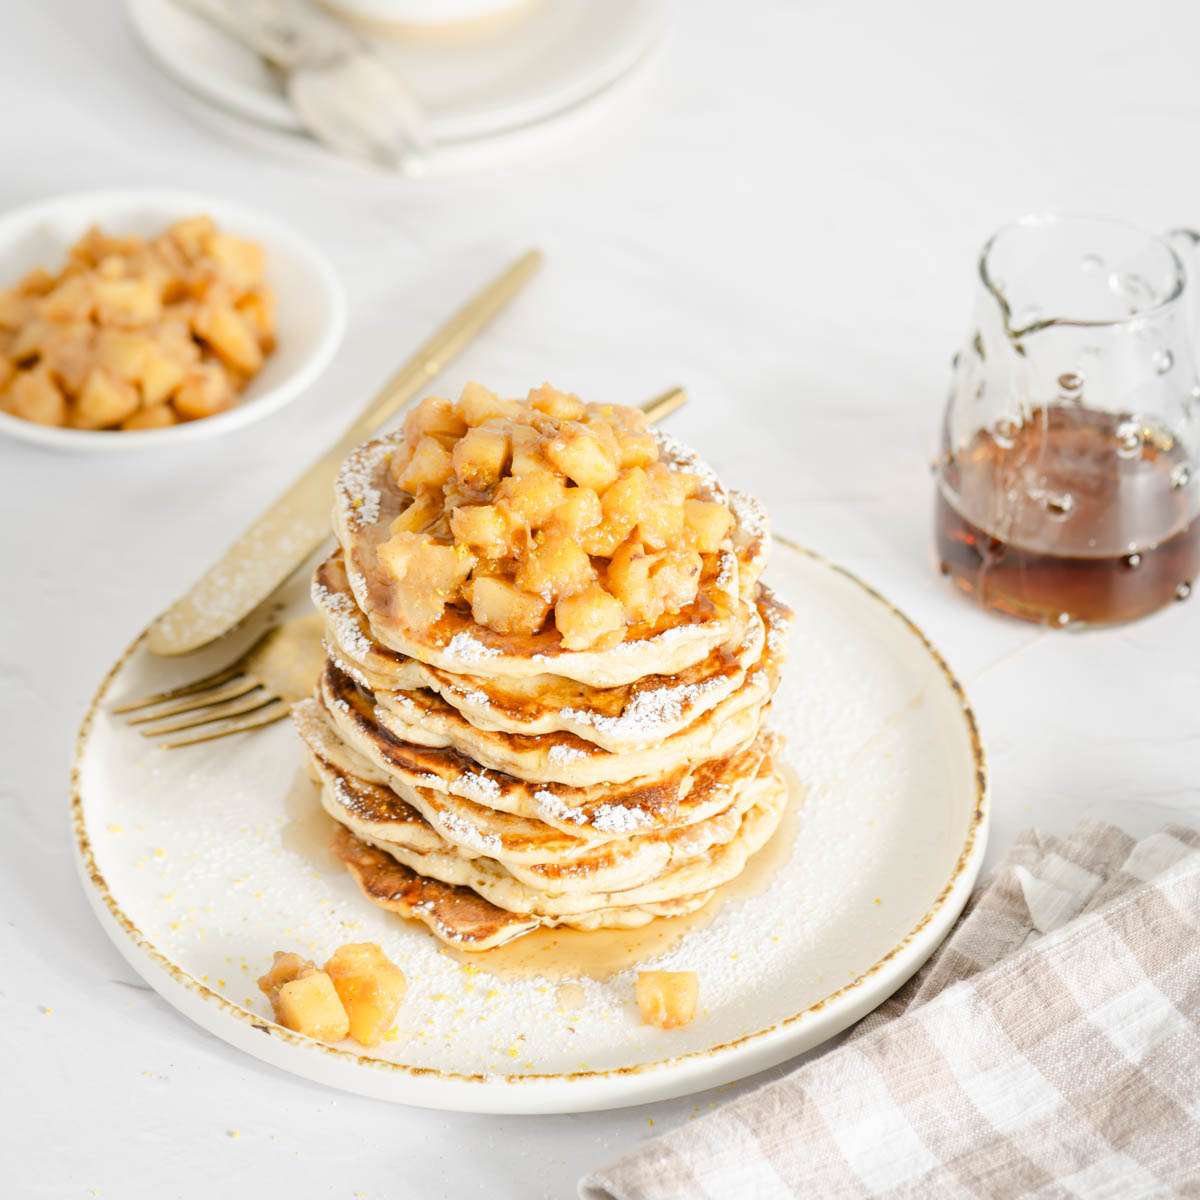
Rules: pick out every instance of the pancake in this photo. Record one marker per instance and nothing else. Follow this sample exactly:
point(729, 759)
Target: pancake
point(423, 718)
point(489, 783)
point(540, 857)
point(625, 717)
point(367, 500)
point(461, 917)
point(720, 863)
point(633, 806)
point(579, 819)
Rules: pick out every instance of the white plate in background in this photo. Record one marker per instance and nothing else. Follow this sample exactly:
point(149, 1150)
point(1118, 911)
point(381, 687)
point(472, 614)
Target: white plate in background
point(311, 311)
point(200, 863)
point(552, 58)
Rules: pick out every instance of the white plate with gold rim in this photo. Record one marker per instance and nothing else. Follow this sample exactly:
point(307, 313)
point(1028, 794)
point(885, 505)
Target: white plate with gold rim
point(200, 863)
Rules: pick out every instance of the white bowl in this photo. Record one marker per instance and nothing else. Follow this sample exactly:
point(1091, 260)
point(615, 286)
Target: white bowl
point(311, 307)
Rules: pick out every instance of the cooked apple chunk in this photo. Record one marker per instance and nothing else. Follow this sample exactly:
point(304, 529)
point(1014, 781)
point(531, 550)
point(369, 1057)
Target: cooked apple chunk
point(370, 987)
point(505, 608)
point(126, 301)
point(578, 510)
point(562, 406)
point(582, 457)
point(304, 999)
point(434, 415)
point(104, 400)
point(480, 457)
point(648, 585)
point(638, 448)
point(534, 496)
point(487, 529)
point(667, 999)
point(426, 574)
point(284, 968)
point(242, 262)
point(310, 1006)
point(154, 416)
point(419, 515)
point(707, 524)
point(205, 390)
point(159, 377)
point(526, 450)
point(230, 335)
point(34, 396)
point(587, 617)
point(429, 467)
point(675, 579)
point(621, 505)
point(554, 567)
point(478, 404)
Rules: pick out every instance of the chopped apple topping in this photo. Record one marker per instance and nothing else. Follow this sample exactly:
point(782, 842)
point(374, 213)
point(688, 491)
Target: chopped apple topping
point(304, 999)
point(477, 404)
point(371, 988)
point(521, 508)
point(426, 573)
point(554, 567)
point(480, 457)
point(357, 994)
point(562, 406)
point(137, 333)
point(582, 457)
point(707, 524)
point(650, 584)
point(436, 416)
point(667, 999)
point(429, 467)
point(587, 617)
point(499, 605)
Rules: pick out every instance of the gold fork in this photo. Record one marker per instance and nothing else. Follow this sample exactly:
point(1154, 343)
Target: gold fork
point(260, 686)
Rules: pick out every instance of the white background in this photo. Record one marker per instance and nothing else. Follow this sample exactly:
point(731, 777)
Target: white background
point(786, 223)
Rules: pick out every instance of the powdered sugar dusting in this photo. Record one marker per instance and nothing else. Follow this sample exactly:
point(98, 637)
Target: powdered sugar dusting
point(347, 668)
point(473, 786)
point(678, 455)
point(356, 486)
point(607, 818)
point(616, 818)
point(466, 834)
point(551, 807)
point(753, 523)
point(727, 575)
point(562, 753)
point(467, 648)
point(649, 714)
point(341, 615)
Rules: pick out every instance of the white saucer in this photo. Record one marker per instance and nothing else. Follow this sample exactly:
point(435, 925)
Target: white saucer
point(552, 59)
point(201, 862)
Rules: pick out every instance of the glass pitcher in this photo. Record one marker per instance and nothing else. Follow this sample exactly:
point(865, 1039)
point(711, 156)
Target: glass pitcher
point(1067, 490)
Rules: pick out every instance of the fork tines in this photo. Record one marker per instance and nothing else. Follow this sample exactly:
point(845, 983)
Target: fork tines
point(231, 698)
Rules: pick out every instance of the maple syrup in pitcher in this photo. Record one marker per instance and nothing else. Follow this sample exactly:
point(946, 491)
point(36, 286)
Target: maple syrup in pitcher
point(1092, 530)
point(1067, 486)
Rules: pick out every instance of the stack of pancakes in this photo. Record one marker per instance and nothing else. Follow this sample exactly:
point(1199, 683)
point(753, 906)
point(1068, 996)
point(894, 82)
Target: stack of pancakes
point(490, 783)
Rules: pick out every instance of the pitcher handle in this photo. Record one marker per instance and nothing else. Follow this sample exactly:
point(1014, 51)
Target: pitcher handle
point(1186, 243)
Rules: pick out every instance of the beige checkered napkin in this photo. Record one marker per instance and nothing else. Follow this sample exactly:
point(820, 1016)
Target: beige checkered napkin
point(1051, 1048)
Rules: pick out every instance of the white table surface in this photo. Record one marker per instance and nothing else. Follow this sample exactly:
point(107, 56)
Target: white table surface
point(786, 222)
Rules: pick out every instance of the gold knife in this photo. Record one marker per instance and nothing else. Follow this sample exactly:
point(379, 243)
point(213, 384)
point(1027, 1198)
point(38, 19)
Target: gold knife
point(298, 522)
